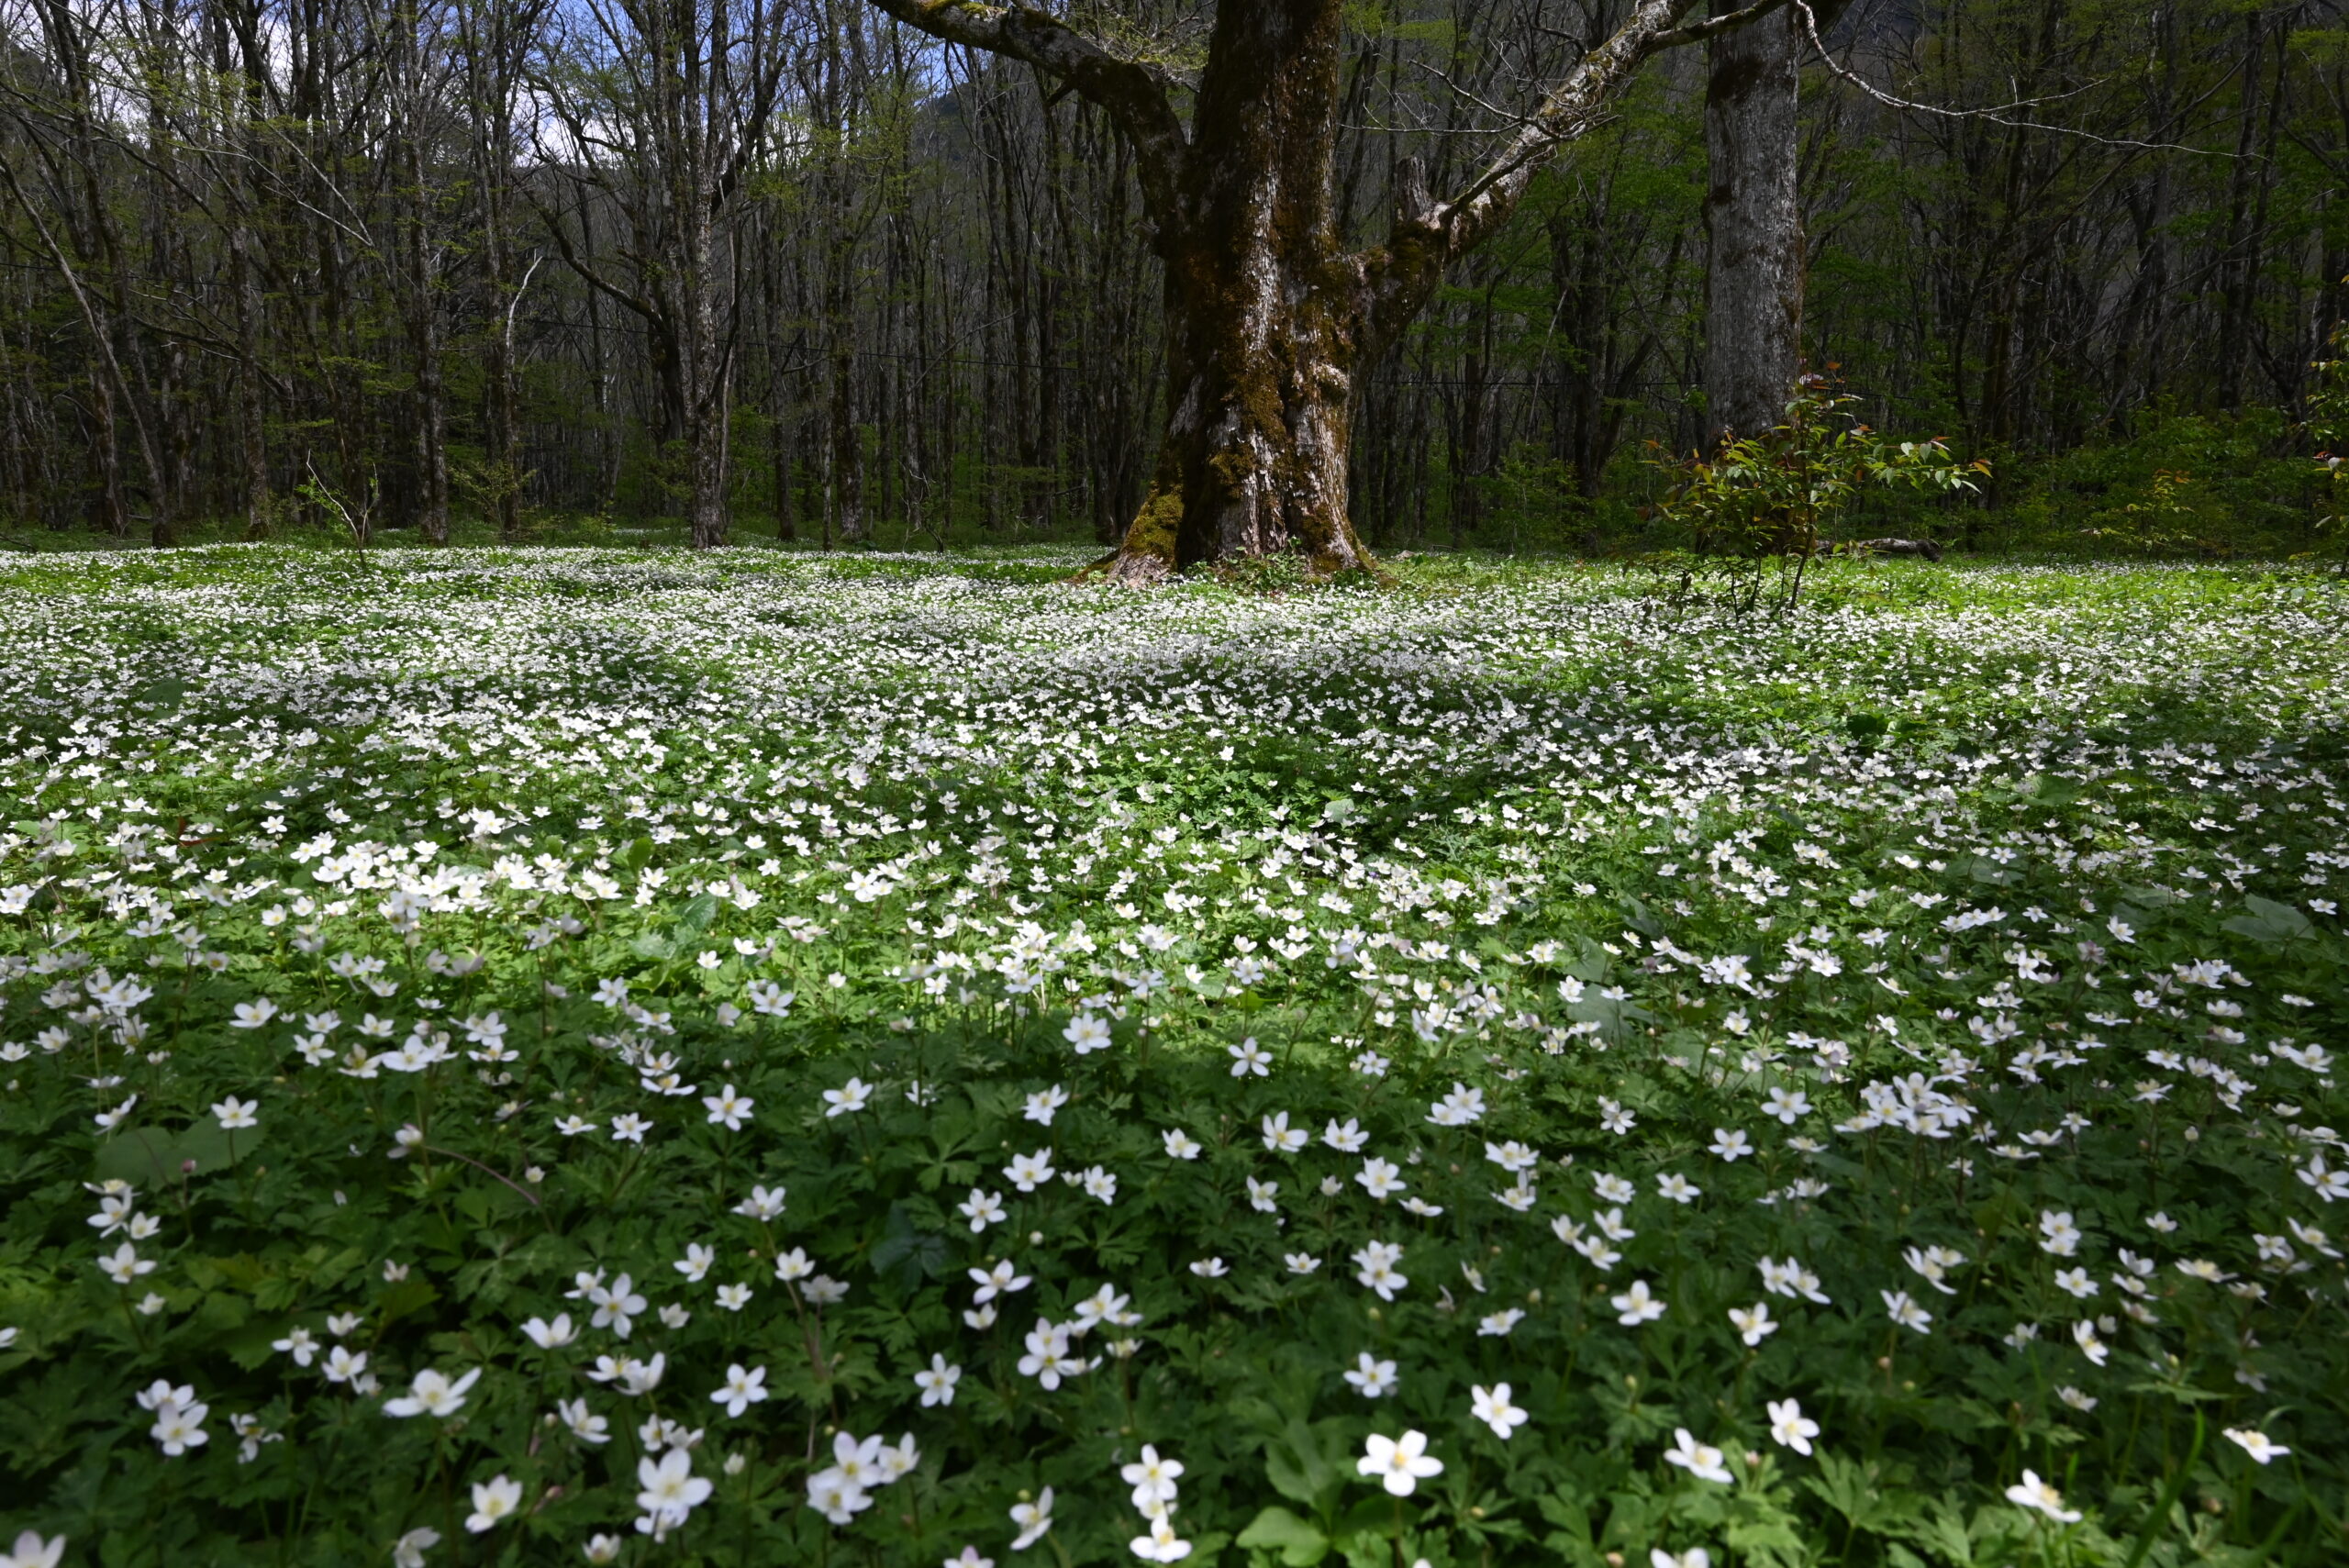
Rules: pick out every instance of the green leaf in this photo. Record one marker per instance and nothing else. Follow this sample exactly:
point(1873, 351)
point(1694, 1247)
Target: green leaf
point(1275, 1529)
point(150, 1156)
point(696, 917)
point(410, 1295)
point(2045, 789)
point(2270, 924)
point(909, 1255)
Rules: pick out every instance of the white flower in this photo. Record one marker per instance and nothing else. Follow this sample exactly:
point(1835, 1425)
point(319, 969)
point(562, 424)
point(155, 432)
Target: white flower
point(1281, 1138)
point(670, 1489)
point(1001, 1279)
point(1906, 1312)
point(982, 1210)
point(1374, 1265)
point(253, 1015)
point(937, 1381)
point(2030, 1492)
point(742, 1388)
point(1152, 1478)
point(1695, 1557)
point(583, 1423)
point(833, 1494)
point(551, 1336)
point(1399, 1464)
point(31, 1552)
point(493, 1499)
point(850, 1096)
point(1346, 1140)
point(1790, 1426)
point(1491, 1407)
point(1026, 1171)
point(1300, 1262)
point(1496, 1325)
point(1461, 1107)
point(1247, 1058)
point(1180, 1145)
point(410, 1550)
point(1700, 1459)
point(179, 1425)
point(1379, 1177)
point(1033, 1519)
point(2257, 1444)
point(124, 1264)
point(1049, 1359)
point(1637, 1305)
point(432, 1394)
point(728, 1108)
point(1040, 1106)
point(1372, 1377)
point(1086, 1033)
point(764, 1204)
point(1752, 1323)
point(1161, 1545)
point(697, 1259)
point(235, 1115)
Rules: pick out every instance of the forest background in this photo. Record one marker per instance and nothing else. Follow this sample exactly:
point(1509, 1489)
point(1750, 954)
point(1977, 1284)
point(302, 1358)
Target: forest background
point(501, 268)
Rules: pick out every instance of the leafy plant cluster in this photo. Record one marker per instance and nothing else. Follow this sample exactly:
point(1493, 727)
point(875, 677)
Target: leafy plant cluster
point(1756, 509)
point(569, 1056)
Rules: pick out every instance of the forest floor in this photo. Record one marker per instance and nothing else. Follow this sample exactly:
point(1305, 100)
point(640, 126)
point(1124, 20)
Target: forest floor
point(742, 1057)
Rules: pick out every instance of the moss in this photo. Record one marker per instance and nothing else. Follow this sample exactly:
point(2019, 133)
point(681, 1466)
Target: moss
point(1148, 553)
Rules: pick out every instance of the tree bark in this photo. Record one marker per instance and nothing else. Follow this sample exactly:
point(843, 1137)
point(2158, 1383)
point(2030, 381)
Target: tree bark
point(1754, 282)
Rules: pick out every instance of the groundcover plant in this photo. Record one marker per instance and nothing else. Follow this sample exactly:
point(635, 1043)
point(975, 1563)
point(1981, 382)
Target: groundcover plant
point(742, 1059)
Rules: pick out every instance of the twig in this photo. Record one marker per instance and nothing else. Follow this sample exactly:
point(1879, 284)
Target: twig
point(1995, 115)
point(528, 1196)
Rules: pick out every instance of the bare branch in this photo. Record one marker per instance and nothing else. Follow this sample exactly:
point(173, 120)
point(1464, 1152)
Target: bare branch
point(1130, 92)
point(1994, 114)
point(1713, 27)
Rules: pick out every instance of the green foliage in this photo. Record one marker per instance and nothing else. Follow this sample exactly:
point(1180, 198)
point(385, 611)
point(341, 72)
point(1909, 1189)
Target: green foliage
point(2182, 485)
point(1769, 497)
point(830, 871)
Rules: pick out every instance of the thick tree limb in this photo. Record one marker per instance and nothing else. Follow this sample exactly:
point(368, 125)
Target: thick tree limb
point(1430, 235)
point(1712, 26)
point(1127, 90)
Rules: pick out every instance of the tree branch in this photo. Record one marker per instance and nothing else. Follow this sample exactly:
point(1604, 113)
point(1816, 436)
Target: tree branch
point(1429, 235)
point(1713, 27)
point(1128, 90)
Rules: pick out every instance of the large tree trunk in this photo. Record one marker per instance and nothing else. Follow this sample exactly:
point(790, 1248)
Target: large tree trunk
point(1270, 320)
point(1753, 285)
point(1253, 459)
point(1262, 313)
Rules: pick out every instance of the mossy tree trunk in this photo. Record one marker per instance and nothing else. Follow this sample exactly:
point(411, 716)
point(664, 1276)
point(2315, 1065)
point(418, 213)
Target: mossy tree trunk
point(1271, 319)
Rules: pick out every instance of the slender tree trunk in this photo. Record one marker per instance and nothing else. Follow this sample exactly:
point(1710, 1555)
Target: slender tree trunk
point(1754, 282)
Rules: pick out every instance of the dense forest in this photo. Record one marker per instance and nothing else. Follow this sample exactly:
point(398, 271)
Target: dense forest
point(507, 264)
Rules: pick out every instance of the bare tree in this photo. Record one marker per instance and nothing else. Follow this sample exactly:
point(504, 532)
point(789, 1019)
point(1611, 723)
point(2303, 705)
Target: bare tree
point(665, 105)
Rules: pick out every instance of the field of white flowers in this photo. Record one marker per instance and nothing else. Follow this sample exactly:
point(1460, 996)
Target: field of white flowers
point(748, 1059)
